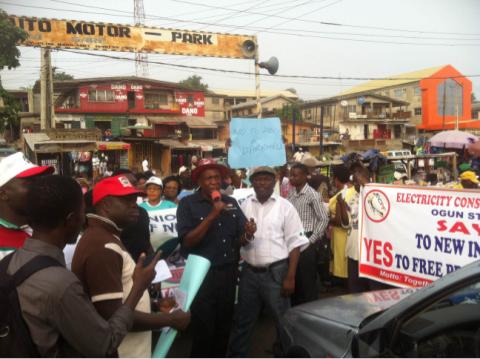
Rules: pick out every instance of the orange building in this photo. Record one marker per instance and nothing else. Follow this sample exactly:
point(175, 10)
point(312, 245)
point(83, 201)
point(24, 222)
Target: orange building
point(446, 97)
point(434, 97)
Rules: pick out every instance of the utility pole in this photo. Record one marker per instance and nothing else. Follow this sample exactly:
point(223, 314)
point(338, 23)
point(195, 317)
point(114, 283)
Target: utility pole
point(294, 122)
point(47, 111)
point(257, 85)
point(141, 58)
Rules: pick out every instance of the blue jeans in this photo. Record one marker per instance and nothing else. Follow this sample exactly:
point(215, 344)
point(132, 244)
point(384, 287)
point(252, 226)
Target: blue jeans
point(257, 289)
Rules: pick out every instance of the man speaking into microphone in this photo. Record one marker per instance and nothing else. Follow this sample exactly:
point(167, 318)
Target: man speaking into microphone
point(212, 225)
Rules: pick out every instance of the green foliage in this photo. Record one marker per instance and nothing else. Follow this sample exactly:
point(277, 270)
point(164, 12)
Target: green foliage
point(287, 111)
point(9, 112)
point(194, 82)
point(10, 36)
point(57, 76)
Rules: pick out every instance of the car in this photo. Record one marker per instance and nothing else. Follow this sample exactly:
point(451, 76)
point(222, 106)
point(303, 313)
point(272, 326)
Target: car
point(439, 320)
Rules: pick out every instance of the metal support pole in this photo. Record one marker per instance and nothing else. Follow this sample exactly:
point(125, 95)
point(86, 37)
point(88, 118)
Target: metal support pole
point(294, 122)
point(321, 130)
point(257, 85)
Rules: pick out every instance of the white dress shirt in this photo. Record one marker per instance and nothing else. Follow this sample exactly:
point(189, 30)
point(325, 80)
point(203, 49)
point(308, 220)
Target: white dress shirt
point(279, 231)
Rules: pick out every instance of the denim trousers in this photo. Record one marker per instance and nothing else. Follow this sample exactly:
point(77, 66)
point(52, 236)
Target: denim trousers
point(258, 289)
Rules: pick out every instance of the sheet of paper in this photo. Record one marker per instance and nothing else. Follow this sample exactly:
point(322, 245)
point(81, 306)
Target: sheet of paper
point(163, 273)
point(256, 142)
point(180, 297)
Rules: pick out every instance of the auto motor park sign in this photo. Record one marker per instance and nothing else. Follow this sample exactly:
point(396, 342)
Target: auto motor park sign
point(410, 236)
point(86, 35)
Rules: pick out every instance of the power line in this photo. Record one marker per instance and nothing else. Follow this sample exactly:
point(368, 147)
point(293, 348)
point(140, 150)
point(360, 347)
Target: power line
point(267, 30)
point(326, 23)
point(280, 76)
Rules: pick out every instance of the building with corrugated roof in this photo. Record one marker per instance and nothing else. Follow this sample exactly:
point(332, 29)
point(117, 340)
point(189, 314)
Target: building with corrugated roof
point(395, 108)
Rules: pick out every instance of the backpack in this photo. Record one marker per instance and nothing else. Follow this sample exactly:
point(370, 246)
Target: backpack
point(15, 339)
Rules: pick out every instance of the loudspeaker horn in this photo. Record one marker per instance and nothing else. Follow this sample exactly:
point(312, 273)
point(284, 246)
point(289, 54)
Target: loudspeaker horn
point(271, 65)
point(248, 48)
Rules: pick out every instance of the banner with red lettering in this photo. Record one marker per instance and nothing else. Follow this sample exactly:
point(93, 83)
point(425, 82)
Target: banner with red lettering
point(410, 236)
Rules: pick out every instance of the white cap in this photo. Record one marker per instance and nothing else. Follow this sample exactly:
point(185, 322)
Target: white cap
point(154, 180)
point(182, 169)
point(18, 166)
point(399, 175)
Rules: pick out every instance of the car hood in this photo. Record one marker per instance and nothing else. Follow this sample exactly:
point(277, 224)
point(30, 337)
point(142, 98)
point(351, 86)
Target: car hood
point(352, 309)
point(326, 327)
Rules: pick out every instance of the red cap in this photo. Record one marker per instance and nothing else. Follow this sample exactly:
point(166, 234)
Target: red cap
point(35, 171)
point(117, 186)
point(207, 164)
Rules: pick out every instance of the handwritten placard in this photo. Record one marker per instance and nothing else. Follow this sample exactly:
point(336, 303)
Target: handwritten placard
point(256, 142)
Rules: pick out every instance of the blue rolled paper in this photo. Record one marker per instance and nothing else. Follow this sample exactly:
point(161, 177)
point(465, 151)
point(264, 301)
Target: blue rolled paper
point(196, 268)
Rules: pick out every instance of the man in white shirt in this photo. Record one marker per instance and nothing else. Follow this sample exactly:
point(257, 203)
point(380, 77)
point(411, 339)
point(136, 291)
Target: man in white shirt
point(271, 256)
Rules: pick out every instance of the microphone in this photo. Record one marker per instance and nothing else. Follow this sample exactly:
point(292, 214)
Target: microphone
point(216, 196)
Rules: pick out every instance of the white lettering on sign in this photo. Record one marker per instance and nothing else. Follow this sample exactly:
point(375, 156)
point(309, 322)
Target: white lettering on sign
point(120, 97)
point(118, 87)
point(181, 100)
point(190, 111)
point(136, 87)
point(199, 103)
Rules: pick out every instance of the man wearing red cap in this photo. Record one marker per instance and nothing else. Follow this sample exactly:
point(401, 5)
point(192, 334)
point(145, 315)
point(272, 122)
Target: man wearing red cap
point(16, 173)
point(105, 268)
point(212, 225)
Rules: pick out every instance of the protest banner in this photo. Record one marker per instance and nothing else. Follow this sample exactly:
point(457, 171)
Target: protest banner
point(163, 226)
point(411, 236)
point(196, 269)
point(256, 142)
point(88, 35)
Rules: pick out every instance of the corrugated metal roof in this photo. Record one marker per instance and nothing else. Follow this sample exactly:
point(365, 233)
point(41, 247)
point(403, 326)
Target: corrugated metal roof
point(251, 93)
point(262, 101)
point(393, 81)
point(192, 122)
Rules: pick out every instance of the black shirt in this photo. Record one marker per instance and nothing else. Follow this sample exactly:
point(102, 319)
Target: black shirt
point(136, 237)
point(221, 243)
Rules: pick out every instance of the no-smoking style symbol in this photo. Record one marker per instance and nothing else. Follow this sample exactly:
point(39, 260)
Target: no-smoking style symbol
point(376, 205)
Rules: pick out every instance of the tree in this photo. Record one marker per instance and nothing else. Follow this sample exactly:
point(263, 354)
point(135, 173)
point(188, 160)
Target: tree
point(57, 76)
point(194, 82)
point(10, 36)
point(473, 97)
point(292, 90)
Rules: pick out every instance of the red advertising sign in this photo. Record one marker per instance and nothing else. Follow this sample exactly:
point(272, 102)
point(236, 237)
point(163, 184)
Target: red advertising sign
point(191, 103)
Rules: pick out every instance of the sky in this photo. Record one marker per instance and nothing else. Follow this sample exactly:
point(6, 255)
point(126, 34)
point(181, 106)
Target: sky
point(371, 38)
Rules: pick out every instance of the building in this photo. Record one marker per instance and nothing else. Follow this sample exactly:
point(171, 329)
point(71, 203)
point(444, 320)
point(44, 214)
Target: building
point(236, 97)
point(437, 97)
point(368, 117)
point(160, 121)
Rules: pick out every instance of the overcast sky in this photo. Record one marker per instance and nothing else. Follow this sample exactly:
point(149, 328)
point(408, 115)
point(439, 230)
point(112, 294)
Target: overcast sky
point(415, 34)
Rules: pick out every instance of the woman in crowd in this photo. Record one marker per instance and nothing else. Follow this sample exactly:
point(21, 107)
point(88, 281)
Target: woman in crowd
point(339, 222)
point(171, 189)
point(154, 190)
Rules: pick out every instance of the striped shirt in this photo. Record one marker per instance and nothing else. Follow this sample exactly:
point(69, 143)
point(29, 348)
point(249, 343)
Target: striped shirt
point(311, 210)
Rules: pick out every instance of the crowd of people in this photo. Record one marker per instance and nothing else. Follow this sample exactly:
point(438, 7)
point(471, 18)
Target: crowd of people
point(289, 239)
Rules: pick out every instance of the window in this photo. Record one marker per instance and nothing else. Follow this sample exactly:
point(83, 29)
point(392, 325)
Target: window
point(215, 101)
point(352, 108)
point(418, 111)
point(449, 98)
point(417, 91)
point(101, 96)
point(447, 328)
point(155, 100)
point(400, 92)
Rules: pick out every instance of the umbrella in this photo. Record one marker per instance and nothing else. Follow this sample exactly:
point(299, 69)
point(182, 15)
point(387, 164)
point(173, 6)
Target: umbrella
point(474, 149)
point(452, 139)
